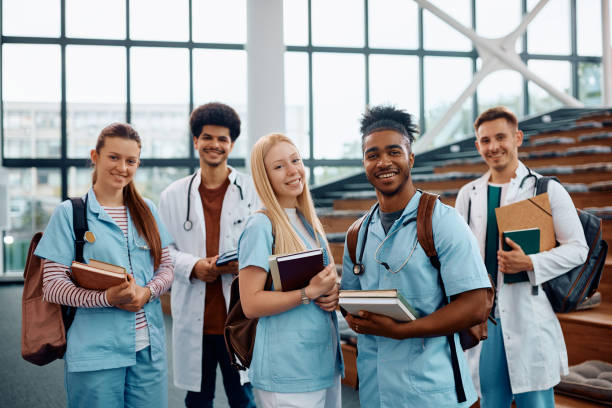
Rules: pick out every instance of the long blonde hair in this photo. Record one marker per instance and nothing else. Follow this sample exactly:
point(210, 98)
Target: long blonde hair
point(285, 238)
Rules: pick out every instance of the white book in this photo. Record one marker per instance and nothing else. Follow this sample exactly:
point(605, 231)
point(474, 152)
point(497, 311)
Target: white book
point(393, 307)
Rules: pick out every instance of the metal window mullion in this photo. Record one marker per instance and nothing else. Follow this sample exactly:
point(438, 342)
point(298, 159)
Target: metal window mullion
point(310, 97)
point(524, 58)
point(63, 105)
point(128, 66)
point(574, 44)
point(474, 64)
point(366, 22)
point(190, 148)
point(421, 73)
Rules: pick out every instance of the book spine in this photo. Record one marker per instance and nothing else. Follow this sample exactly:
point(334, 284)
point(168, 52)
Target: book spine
point(403, 300)
point(276, 280)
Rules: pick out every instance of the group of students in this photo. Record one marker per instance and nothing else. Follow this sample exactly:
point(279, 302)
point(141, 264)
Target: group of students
point(116, 354)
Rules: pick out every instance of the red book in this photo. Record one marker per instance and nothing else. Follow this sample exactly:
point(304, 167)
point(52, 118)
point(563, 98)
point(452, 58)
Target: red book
point(294, 271)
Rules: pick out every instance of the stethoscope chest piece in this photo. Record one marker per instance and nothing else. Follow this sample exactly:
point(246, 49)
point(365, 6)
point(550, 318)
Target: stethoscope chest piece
point(358, 268)
point(188, 225)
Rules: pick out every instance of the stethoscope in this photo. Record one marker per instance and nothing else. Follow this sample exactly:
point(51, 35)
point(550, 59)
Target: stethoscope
point(359, 268)
point(188, 225)
point(527, 177)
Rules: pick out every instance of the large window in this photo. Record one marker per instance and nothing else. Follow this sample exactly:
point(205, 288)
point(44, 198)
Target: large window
point(344, 55)
point(148, 63)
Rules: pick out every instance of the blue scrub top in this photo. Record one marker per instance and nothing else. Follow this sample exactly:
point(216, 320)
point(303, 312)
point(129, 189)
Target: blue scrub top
point(293, 350)
point(417, 371)
point(104, 337)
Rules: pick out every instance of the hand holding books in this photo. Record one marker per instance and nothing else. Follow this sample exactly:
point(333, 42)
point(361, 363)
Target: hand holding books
point(324, 289)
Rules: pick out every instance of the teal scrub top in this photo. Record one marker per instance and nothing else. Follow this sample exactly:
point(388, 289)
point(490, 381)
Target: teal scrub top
point(415, 372)
point(104, 337)
point(293, 351)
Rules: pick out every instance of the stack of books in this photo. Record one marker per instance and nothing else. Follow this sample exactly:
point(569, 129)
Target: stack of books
point(387, 302)
point(97, 275)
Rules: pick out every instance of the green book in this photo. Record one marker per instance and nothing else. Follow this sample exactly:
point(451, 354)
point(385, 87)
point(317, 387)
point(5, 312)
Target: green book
point(529, 241)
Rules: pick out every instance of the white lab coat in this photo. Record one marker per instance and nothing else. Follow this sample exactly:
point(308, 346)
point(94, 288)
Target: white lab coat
point(533, 339)
point(189, 246)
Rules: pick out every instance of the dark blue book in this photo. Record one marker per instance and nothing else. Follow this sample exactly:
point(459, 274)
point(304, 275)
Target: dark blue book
point(227, 257)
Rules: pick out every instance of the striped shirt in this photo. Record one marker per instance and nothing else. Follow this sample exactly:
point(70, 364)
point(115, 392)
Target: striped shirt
point(59, 288)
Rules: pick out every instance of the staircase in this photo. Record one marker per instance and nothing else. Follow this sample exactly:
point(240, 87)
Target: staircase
point(574, 145)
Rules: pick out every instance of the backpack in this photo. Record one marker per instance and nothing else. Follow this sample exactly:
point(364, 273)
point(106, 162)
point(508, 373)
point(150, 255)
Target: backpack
point(468, 337)
point(239, 331)
point(43, 324)
point(567, 291)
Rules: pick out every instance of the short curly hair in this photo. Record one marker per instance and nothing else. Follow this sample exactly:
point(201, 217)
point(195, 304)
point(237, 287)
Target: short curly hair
point(388, 117)
point(215, 113)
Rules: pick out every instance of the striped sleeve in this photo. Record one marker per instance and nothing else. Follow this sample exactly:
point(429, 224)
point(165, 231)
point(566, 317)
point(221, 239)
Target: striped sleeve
point(162, 279)
point(59, 288)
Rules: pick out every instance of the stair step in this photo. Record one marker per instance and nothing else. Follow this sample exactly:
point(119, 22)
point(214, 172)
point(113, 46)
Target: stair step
point(588, 334)
point(545, 161)
point(563, 401)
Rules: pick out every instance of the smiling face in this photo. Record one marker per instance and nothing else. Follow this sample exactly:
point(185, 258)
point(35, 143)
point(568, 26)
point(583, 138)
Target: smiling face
point(387, 161)
point(286, 173)
point(497, 142)
point(213, 145)
point(116, 162)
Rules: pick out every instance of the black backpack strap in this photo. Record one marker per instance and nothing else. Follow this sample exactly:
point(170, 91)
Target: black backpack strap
point(79, 226)
point(425, 211)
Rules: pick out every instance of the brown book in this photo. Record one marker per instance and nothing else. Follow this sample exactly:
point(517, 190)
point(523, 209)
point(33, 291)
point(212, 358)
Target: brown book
point(97, 275)
point(531, 213)
point(294, 271)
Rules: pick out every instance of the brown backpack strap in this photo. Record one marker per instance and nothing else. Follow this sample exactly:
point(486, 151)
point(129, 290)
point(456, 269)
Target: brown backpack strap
point(352, 234)
point(424, 224)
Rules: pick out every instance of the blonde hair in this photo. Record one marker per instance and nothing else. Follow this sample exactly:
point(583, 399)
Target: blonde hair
point(285, 238)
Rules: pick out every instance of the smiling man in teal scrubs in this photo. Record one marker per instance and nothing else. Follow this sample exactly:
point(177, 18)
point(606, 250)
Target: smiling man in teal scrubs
point(409, 364)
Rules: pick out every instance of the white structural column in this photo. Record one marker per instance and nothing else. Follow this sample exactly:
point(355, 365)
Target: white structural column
point(496, 54)
point(265, 67)
point(606, 59)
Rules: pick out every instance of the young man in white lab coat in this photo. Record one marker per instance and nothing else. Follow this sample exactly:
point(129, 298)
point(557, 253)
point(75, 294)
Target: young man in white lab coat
point(205, 213)
point(525, 354)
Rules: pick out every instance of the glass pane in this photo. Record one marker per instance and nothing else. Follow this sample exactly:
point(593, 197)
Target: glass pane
point(33, 195)
point(549, 32)
point(495, 19)
point(325, 174)
point(19, 19)
point(219, 21)
point(501, 88)
point(337, 23)
point(556, 73)
point(445, 79)
point(295, 22)
point(95, 19)
point(160, 100)
point(591, 83)
point(296, 100)
point(440, 36)
point(31, 95)
point(588, 25)
point(93, 104)
point(394, 79)
point(339, 101)
point(150, 181)
point(393, 24)
point(159, 20)
point(220, 75)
